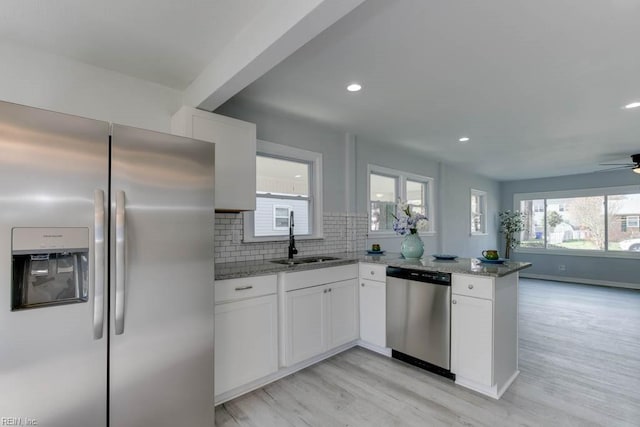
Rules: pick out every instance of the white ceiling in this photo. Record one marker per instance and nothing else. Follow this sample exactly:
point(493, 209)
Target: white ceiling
point(164, 41)
point(538, 86)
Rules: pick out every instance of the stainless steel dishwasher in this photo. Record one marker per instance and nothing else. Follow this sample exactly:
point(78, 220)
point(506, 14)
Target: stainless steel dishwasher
point(419, 318)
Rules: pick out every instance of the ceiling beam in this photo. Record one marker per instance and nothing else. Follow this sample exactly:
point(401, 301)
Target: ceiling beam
point(275, 34)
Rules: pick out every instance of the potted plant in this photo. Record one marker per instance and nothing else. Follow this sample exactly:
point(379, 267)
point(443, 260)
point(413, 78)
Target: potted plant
point(511, 224)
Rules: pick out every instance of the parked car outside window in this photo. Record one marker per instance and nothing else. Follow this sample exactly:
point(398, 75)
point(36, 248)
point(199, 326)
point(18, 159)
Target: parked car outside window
point(630, 245)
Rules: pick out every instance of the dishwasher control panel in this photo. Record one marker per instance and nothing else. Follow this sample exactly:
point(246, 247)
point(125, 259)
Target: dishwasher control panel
point(437, 277)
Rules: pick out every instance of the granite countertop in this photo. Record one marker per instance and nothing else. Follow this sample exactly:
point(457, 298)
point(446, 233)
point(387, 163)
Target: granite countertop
point(232, 270)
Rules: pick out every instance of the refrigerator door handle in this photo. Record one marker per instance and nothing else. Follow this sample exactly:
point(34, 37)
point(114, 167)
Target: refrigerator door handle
point(120, 261)
point(98, 270)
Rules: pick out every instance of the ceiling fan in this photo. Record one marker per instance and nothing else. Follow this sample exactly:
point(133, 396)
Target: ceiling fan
point(634, 165)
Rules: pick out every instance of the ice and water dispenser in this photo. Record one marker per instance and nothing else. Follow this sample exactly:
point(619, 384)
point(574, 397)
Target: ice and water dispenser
point(50, 266)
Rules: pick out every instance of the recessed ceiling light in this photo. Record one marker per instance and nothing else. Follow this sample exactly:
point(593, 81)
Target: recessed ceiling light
point(464, 139)
point(632, 105)
point(379, 194)
point(298, 176)
point(354, 87)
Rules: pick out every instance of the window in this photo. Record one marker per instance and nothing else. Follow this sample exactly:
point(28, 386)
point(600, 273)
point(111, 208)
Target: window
point(580, 221)
point(478, 212)
point(288, 180)
point(386, 186)
point(382, 196)
point(281, 216)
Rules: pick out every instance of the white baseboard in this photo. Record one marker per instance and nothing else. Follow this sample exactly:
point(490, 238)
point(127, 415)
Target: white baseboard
point(381, 350)
point(581, 280)
point(491, 391)
point(281, 373)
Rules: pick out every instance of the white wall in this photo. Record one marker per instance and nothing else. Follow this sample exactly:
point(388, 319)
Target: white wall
point(273, 127)
point(52, 82)
point(452, 199)
point(588, 269)
point(455, 201)
point(452, 187)
point(371, 152)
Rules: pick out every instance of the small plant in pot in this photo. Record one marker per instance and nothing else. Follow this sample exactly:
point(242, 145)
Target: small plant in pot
point(511, 224)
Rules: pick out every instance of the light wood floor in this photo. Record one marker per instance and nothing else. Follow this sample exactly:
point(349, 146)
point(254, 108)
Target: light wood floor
point(579, 366)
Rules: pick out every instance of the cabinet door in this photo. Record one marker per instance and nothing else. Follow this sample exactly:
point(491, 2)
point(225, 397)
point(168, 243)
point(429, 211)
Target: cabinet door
point(305, 323)
point(373, 315)
point(235, 140)
point(343, 312)
point(472, 338)
point(235, 160)
point(246, 341)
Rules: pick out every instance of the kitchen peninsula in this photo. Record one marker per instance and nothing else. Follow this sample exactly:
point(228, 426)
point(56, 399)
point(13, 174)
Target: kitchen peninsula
point(296, 316)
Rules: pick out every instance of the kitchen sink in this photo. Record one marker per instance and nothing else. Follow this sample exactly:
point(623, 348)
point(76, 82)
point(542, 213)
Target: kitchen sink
point(307, 260)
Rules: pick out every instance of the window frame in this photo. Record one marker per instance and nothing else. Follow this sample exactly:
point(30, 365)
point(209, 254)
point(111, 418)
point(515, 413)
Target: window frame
point(482, 195)
point(401, 192)
point(583, 192)
point(285, 152)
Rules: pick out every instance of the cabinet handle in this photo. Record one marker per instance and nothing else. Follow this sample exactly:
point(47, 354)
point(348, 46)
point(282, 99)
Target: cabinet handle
point(329, 289)
point(244, 288)
point(454, 302)
point(362, 284)
point(470, 286)
point(373, 272)
point(324, 292)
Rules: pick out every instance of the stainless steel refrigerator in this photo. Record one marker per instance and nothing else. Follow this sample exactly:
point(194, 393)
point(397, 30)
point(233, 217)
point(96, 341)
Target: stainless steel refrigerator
point(106, 274)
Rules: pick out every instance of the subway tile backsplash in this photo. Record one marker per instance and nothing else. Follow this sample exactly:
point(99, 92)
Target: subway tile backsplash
point(343, 232)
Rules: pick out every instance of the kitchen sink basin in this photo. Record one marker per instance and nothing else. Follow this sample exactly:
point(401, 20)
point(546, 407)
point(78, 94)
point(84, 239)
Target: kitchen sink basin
point(307, 260)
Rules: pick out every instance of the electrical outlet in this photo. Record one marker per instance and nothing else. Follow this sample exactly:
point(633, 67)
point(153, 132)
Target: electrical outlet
point(562, 267)
point(236, 236)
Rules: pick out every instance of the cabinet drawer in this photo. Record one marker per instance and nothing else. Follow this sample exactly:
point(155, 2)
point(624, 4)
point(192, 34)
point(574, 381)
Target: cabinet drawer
point(377, 272)
point(247, 287)
point(473, 286)
point(319, 276)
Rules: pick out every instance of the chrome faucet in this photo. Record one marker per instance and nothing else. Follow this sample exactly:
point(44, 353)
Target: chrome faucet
point(292, 240)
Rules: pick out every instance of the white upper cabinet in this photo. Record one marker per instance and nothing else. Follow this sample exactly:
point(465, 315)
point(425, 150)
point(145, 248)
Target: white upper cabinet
point(235, 186)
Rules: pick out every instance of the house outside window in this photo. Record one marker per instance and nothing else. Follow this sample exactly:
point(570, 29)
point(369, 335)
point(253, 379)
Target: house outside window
point(281, 216)
point(287, 180)
point(386, 186)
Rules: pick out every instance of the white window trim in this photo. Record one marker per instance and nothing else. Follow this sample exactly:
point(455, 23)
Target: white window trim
point(315, 186)
point(401, 186)
point(483, 197)
point(583, 192)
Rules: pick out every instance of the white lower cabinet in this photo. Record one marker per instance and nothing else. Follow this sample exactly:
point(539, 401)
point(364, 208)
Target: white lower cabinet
point(373, 320)
point(343, 313)
point(246, 331)
point(306, 323)
point(318, 319)
point(484, 332)
point(472, 338)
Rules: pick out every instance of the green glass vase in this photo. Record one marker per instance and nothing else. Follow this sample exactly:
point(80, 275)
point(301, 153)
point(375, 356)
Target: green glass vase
point(412, 246)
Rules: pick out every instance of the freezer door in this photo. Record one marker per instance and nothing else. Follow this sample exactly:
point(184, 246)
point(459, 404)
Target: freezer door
point(53, 371)
point(162, 300)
